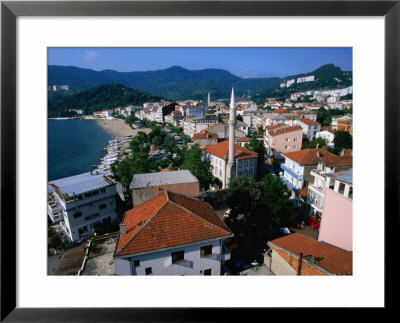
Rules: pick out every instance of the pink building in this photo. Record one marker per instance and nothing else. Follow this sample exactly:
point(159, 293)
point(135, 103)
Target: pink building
point(281, 138)
point(337, 217)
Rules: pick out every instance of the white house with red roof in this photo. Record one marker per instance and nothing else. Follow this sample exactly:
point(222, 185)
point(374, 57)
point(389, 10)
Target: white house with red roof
point(298, 165)
point(218, 155)
point(310, 127)
point(172, 234)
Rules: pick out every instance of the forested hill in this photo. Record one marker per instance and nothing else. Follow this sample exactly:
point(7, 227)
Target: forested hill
point(174, 83)
point(108, 96)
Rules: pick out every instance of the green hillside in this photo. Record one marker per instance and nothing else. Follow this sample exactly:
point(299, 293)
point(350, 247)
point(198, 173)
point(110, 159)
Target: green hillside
point(108, 96)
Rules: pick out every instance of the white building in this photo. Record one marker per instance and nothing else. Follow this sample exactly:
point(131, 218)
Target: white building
point(305, 79)
point(327, 165)
point(310, 127)
point(172, 234)
point(327, 134)
point(87, 202)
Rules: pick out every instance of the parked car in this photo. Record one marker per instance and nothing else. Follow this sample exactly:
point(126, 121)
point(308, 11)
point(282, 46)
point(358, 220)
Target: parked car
point(285, 231)
point(312, 221)
point(227, 213)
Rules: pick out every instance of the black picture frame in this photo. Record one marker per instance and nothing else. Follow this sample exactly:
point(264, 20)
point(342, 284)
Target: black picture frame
point(10, 10)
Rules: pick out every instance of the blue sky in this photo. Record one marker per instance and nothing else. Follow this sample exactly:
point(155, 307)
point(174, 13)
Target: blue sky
point(243, 62)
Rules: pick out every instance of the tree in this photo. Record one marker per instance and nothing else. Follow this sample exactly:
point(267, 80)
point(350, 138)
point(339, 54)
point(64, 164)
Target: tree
point(321, 142)
point(129, 120)
point(342, 140)
point(199, 168)
point(275, 197)
point(258, 147)
point(241, 194)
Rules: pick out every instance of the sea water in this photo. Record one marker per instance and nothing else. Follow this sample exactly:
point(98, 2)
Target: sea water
point(74, 146)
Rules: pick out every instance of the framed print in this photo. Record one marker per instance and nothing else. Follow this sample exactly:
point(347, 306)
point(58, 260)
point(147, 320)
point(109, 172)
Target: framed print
point(370, 28)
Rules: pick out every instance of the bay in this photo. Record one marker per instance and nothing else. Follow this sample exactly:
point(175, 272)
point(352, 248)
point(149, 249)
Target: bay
point(74, 146)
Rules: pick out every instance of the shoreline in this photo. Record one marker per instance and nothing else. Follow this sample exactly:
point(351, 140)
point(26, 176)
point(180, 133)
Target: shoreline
point(118, 128)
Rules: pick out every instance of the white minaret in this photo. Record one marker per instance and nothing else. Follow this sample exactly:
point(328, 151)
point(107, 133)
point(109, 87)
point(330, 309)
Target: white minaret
point(231, 169)
point(209, 99)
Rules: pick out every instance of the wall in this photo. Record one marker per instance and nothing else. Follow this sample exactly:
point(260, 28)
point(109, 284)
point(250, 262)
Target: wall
point(337, 220)
point(139, 196)
point(285, 263)
point(278, 143)
point(161, 262)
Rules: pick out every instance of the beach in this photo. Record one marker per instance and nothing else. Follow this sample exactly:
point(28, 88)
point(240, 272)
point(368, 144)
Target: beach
point(118, 128)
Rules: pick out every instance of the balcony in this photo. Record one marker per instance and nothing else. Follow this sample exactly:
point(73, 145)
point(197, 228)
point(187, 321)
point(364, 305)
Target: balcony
point(299, 177)
point(294, 189)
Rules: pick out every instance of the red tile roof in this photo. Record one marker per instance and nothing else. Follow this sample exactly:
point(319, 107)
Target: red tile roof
point(282, 129)
point(280, 111)
point(337, 160)
point(329, 258)
point(221, 150)
point(308, 122)
point(308, 156)
point(205, 135)
point(169, 220)
point(242, 139)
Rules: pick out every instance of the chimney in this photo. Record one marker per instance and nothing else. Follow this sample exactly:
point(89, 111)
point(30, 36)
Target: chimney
point(122, 228)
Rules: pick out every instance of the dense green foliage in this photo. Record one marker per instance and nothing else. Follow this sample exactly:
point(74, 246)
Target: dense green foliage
point(324, 116)
point(321, 142)
point(275, 198)
point(342, 140)
point(102, 97)
point(258, 147)
point(241, 194)
point(174, 83)
point(199, 168)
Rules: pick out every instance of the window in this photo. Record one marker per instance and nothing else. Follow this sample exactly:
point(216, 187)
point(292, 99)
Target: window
point(351, 192)
point(294, 146)
point(245, 163)
point(287, 146)
point(103, 206)
point(332, 184)
point(136, 263)
point(95, 193)
point(83, 231)
point(251, 162)
point(89, 194)
point(250, 172)
point(207, 272)
point(287, 139)
point(178, 256)
point(77, 215)
point(240, 164)
point(149, 271)
point(341, 188)
point(92, 216)
point(206, 251)
point(103, 190)
point(245, 173)
point(80, 197)
point(294, 139)
point(240, 173)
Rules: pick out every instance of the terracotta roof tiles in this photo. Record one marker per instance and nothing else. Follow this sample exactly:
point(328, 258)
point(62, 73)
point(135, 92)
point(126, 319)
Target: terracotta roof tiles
point(169, 220)
point(221, 150)
point(332, 259)
point(308, 156)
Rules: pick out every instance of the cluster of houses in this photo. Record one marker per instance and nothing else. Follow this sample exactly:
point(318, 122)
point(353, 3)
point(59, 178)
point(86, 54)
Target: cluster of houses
point(171, 231)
